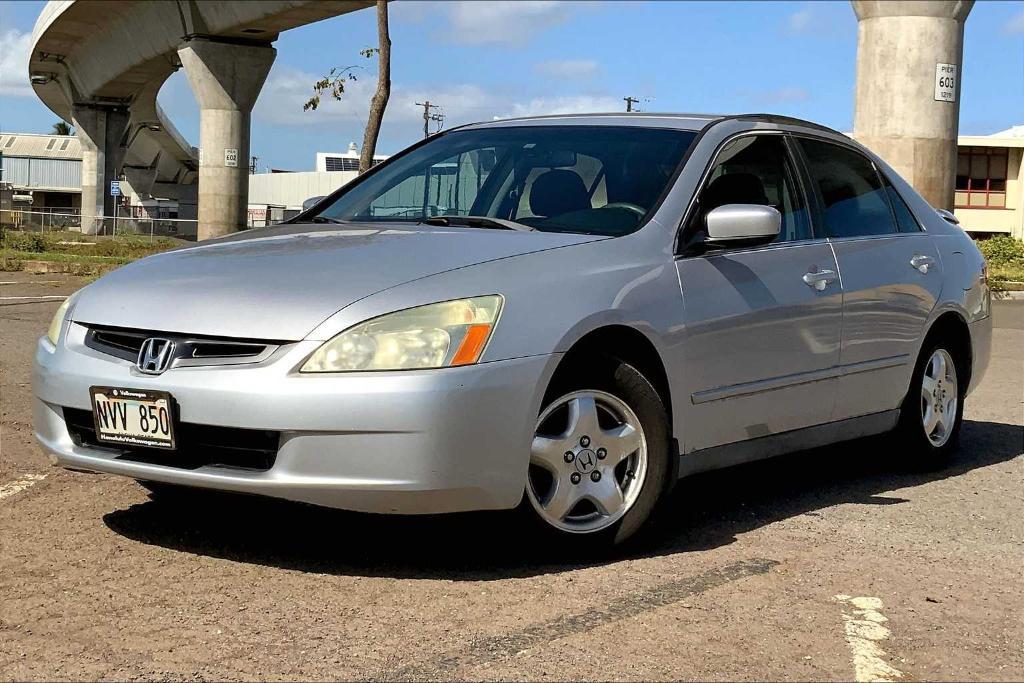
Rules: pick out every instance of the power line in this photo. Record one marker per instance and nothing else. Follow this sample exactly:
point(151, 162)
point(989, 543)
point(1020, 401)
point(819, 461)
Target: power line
point(428, 117)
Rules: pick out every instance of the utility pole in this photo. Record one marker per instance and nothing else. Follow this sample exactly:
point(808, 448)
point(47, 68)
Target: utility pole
point(428, 117)
point(630, 101)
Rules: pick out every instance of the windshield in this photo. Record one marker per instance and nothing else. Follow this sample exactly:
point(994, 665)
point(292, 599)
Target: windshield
point(587, 179)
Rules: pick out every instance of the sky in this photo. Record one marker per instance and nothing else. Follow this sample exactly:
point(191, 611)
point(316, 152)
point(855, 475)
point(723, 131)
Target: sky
point(482, 60)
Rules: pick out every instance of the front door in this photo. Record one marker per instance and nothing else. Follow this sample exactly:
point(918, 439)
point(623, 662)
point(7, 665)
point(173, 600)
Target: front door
point(762, 324)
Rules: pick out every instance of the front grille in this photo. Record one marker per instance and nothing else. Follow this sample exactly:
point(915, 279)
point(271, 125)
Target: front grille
point(196, 445)
point(188, 349)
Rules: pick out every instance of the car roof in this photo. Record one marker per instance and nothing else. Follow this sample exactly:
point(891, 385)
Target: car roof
point(693, 122)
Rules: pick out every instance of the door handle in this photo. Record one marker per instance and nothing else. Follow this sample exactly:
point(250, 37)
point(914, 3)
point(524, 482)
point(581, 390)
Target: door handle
point(922, 262)
point(819, 280)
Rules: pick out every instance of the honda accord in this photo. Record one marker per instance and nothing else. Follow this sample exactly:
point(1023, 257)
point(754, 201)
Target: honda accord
point(560, 314)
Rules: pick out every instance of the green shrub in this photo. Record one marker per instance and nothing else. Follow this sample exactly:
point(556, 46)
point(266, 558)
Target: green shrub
point(1002, 250)
point(9, 265)
point(25, 241)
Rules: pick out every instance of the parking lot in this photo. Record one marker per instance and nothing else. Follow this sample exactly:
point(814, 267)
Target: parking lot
point(829, 564)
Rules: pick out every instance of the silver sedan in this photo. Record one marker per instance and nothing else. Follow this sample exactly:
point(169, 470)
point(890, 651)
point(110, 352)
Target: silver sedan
point(564, 314)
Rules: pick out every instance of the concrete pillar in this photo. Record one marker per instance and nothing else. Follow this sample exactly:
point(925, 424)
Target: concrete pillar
point(900, 112)
point(101, 131)
point(226, 79)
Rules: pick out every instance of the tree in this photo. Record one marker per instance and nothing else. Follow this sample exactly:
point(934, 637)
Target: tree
point(62, 128)
point(334, 82)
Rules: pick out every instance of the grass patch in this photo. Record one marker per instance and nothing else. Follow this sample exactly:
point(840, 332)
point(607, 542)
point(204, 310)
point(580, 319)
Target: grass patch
point(128, 247)
point(57, 257)
point(998, 274)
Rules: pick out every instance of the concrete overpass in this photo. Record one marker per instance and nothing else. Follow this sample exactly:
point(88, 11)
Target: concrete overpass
point(100, 64)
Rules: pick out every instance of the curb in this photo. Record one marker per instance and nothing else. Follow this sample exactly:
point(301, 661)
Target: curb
point(45, 267)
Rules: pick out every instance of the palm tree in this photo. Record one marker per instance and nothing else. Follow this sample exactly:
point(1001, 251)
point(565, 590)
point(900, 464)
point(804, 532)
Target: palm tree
point(61, 128)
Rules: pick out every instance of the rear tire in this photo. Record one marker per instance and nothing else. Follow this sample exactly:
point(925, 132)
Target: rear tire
point(600, 463)
point(932, 412)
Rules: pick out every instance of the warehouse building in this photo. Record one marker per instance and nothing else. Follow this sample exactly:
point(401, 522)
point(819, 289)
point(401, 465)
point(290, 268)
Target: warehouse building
point(44, 171)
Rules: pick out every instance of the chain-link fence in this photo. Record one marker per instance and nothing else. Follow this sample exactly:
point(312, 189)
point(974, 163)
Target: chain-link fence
point(47, 221)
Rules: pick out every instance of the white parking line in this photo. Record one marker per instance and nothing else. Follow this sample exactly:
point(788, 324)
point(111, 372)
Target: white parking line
point(52, 297)
point(29, 282)
point(864, 632)
point(19, 485)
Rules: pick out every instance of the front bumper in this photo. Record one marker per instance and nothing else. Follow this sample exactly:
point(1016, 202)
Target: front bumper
point(407, 442)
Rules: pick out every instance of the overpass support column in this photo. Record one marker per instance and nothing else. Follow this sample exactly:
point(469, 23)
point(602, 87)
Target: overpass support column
point(101, 131)
point(907, 106)
point(226, 79)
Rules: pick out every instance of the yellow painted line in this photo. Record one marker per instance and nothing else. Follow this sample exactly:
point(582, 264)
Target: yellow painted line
point(19, 485)
point(863, 622)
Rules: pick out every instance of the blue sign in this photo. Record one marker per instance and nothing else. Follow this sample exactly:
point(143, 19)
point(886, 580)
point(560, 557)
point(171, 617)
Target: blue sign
point(115, 188)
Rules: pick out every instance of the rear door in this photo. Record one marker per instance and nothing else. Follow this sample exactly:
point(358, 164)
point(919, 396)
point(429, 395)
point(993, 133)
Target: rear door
point(890, 271)
point(763, 323)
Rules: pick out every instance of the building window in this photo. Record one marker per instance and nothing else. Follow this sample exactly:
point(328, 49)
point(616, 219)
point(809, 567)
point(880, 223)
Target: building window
point(981, 178)
point(342, 164)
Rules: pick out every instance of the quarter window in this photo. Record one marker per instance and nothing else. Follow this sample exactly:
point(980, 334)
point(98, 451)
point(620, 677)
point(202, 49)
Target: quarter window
point(905, 221)
point(852, 195)
point(756, 169)
point(981, 178)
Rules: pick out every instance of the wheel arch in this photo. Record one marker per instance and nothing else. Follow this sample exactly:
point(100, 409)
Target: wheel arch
point(620, 342)
point(951, 325)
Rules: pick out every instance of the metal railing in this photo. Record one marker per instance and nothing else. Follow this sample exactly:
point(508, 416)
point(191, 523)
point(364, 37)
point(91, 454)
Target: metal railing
point(48, 221)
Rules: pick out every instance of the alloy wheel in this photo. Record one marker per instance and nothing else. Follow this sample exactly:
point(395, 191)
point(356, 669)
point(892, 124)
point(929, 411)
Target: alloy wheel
point(587, 463)
point(939, 398)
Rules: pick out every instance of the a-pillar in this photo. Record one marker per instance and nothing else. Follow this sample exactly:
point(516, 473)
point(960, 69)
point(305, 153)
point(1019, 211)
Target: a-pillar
point(909, 64)
point(226, 79)
point(101, 130)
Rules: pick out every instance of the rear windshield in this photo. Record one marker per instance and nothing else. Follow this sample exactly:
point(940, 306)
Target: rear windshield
point(585, 179)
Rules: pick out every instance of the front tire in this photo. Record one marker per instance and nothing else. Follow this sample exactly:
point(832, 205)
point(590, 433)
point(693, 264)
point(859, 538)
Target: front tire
point(932, 413)
point(600, 459)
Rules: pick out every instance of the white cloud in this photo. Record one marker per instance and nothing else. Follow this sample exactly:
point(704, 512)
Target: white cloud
point(800, 21)
point(287, 89)
point(14, 54)
point(566, 104)
point(503, 22)
point(777, 96)
point(1015, 26)
point(568, 69)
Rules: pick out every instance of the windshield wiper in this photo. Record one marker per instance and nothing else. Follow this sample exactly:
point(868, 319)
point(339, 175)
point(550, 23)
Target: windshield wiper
point(325, 219)
point(478, 222)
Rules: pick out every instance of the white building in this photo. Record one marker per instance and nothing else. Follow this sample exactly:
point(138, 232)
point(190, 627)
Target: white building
point(278, 195)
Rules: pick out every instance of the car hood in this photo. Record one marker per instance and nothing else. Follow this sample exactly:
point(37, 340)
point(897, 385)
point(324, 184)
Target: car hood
point(280, 283)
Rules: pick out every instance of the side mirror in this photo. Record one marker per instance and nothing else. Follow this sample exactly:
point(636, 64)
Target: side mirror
point(312, 201)
point(742, 223)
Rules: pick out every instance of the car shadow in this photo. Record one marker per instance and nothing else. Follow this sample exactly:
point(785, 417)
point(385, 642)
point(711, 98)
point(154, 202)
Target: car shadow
point(705, 511)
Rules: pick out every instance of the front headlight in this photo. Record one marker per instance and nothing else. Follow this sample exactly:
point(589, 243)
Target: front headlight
point(432, 336)
point(58, 321)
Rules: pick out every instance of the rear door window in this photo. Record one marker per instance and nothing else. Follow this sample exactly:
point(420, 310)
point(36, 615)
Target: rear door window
point(852, 196)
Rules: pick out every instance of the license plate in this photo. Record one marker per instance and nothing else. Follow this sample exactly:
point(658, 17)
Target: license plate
point(133, 417)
